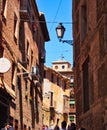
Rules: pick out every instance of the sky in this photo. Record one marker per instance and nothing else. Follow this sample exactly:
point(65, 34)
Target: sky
point(57, 11)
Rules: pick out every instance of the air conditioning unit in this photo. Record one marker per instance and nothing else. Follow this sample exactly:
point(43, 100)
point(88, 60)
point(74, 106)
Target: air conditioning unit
point(35, 72)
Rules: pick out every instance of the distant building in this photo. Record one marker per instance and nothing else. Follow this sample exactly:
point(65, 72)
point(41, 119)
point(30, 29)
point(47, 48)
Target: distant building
point(59, 90)
point(64, 67)
point(22, 40)
point(55, 98)
point(90, 63)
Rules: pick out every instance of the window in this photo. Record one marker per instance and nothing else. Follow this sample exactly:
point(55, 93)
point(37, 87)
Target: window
point(51, 100)
point(56, 67)
point(85, 68)
point(63, 67)
point(31, 94)
point(14, 76)
point(57, 81)
point(72, 104)
point(71, 79)
point(77, 23)
point(72, 118)
point(4, 8)
point(65, 101)
point(28, 52)
point(71, 85)
point(77, 47)
point(72, 95)
point(52, 77)
point(26, 89)
point(15, 28)
point(27, 48)
point(44, 74)
point(18, 82)
point(65, 84)
point(83, 21)
point(31, 56)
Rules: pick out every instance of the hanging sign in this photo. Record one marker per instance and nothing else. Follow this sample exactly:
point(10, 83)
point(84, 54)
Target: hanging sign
point(4, 65)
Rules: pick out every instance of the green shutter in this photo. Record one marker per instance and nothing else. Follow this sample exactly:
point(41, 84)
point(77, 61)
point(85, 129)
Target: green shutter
point(71, 118)
point(72, 102)
point(71, 85)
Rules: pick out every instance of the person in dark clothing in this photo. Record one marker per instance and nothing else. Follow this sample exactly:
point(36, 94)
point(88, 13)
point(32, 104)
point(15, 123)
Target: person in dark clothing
point(7, 126)
point(72, 126)
point(11, 127)
point(63, 125)
point(56, 127)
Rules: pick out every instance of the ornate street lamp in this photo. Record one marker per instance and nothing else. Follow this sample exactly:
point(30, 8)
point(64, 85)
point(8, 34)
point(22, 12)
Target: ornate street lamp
point(60, 29)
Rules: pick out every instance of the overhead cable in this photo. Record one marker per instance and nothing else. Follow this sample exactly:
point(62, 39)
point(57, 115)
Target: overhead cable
point(56, 15)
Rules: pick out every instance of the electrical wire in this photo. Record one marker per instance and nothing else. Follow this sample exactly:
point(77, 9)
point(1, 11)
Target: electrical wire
point(56, 15)
point(50, 22)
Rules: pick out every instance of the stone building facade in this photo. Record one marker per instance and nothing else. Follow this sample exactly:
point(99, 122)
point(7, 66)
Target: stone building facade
point(23, 33)
point(90, 63)
point(64, 67)
point(55, 98)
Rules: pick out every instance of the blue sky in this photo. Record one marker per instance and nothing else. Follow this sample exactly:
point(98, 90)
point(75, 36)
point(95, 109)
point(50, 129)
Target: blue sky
point(57, 11)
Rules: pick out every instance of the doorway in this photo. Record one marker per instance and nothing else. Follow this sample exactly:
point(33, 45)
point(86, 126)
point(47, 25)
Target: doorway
point(3, 115)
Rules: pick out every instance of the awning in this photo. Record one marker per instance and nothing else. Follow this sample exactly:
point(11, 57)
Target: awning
point(3, 85)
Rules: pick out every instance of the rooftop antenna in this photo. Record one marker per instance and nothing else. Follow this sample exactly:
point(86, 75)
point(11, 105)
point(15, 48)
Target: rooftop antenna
point(62, 57)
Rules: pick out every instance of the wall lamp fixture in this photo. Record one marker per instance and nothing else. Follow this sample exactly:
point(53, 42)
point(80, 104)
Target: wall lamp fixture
point(60, 29)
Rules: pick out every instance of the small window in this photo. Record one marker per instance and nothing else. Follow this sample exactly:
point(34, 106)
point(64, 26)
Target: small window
point(44, 74)
point(57, 81)
point(52, 77)
point(65, 84)
point(56, 67)
point(63, 67)
point(72, 118)
point(15, 28)
point(72, 102)
point(72, 106)
point(4, 8)
point(31, 56)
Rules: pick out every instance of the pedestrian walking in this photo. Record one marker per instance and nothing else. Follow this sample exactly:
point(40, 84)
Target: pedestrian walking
point(56, 127)
point(63, 125)
point(72, 126)
point(6, 127)
point(11, 126)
